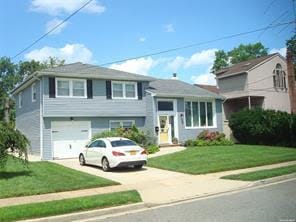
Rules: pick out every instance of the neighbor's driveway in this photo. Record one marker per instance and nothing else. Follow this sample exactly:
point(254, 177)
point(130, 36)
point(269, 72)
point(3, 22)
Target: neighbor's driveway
point(158, 186)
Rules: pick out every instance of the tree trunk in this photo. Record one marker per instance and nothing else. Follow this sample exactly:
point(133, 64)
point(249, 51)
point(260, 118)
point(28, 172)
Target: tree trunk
point(6, 110)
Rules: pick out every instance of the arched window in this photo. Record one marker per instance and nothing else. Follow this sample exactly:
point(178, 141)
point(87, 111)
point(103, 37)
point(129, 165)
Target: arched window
point(279, 77)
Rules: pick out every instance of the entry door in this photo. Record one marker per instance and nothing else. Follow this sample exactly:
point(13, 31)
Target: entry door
point(164, 129)
point(69, 138)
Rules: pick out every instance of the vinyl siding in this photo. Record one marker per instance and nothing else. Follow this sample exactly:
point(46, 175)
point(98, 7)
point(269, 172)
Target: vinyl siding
point(28, 117)
point(98, 106)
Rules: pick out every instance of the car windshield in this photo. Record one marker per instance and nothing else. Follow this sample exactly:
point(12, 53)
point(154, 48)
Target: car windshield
point(118, 143)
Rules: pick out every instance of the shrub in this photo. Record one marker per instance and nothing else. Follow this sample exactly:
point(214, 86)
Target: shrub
point(12, 140)
point(265, 127)
point(175, 140)
point(152, 149)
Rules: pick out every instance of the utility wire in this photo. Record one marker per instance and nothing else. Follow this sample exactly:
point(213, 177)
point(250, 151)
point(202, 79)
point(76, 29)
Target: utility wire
point(51, 30)
point(199, 43)
point(294, 11)
point(269, 6)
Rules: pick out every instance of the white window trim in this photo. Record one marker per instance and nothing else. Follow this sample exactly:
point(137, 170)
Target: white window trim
point(121, 122)
point(214, 114)
point(70, 88)
point(123, 89)
point(32, 92)
point(20, 99)
point(167, 100)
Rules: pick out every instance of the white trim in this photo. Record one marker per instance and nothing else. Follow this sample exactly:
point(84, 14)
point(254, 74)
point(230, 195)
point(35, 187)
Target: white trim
point(41, 119)
point(32, 92)
point(20, 100)
point(213, 101)
point(70, 87)
point(121, 122)
point(123, 89)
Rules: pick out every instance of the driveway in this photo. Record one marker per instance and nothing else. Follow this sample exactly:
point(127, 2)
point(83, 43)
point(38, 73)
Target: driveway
point(158, 186)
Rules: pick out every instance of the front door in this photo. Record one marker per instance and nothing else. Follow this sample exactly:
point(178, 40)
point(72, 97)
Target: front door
point(164, 129)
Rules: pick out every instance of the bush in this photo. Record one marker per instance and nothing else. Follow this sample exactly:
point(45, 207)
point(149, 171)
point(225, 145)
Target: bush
point(207, 138)
point(140, 137)
point(12, 140)
point(152, 149)
point(264, 127)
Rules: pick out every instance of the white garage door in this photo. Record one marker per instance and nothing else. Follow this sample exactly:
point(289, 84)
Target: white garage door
point(69, 138)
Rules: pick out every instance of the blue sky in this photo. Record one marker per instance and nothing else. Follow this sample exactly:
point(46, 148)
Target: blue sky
point(110, 30)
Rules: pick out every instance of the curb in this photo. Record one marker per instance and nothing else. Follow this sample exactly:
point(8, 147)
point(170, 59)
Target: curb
point(274, 179)
point(83, 215)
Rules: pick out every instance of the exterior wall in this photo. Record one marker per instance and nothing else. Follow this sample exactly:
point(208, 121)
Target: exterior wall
point(28, 117)
point(98, 124)
point(233, 84)
point(99, 105)
point(150, 120)
point(261, 84)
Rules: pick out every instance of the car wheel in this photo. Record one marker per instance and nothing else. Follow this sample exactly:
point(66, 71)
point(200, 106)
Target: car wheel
point(81, 160)
point(138, 166)
point(105, 164)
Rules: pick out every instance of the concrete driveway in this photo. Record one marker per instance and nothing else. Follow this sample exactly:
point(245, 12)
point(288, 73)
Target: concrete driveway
point(158, 186)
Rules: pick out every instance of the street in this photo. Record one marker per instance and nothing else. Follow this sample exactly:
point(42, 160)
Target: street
point(276, 202)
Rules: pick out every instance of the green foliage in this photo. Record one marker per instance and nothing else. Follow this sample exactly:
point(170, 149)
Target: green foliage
point(207, 138)
point(266, 127)
point(238, 54)
point(291, 45)
point(140, 137)
point(152, 149)
point(12, 140)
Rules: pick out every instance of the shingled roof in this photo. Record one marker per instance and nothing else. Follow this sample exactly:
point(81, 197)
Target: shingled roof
point(211, 88)
point(243, 66)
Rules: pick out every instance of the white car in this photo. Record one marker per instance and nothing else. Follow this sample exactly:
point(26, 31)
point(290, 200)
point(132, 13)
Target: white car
point(113, 152)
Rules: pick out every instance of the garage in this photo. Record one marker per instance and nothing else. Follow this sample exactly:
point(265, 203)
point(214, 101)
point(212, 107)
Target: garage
point(69, 138)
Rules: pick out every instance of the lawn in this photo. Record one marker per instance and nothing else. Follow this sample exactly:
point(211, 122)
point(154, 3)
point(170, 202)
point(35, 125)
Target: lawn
point(262, 174)
point(50, 208)
point(44, 177)
point(202, 160)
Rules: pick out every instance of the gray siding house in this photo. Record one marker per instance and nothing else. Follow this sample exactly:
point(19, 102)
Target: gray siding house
point(59, 109)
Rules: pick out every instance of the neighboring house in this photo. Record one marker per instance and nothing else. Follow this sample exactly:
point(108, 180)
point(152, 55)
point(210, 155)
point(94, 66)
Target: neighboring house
point(60, 109)
point(260, 82)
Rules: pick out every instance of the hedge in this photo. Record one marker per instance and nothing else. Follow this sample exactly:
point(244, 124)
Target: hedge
point(264, 127)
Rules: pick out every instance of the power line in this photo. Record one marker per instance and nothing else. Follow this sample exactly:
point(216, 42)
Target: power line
point(294, 11)
point(269, 6)
point(51, 30)
point(199, 43)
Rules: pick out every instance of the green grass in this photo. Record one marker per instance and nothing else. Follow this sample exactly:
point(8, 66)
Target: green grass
point(50, 208)
point(262, 174)
point(44, 177)
point(202, 160)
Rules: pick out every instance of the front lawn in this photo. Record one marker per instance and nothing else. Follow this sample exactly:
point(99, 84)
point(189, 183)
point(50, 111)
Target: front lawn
point(44, 177)
point(50, 208)
point(202, 160)
point(262, 174)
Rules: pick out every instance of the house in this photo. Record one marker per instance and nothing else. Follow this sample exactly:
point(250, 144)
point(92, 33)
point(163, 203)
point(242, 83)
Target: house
point(59, 109)
point(260, 82)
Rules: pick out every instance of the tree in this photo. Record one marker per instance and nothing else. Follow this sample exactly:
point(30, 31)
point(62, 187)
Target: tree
point(238, 54)
point(291, 45)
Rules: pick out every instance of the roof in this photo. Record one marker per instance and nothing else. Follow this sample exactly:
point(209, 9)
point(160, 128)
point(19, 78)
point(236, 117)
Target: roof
point(80, 70)
point(244, 66)
point(211, 88)
point(177, 88)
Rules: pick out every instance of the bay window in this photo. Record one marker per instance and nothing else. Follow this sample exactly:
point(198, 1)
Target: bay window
point(199, 114)
point(124, 90)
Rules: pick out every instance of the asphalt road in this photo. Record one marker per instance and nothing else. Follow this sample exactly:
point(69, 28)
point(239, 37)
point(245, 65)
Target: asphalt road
point(275, 202)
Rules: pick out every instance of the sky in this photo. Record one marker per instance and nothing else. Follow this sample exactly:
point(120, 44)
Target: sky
point(111, 30)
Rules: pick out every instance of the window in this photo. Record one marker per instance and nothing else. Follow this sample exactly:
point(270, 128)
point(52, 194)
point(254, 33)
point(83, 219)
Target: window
point(34, 92)
point(165, 105)
point(126, 124)
point(97, 143)
point(20, 100)
point(71, 88)
point(279, 77)
point(124, 90)
point(199, 114)
point(118, 143)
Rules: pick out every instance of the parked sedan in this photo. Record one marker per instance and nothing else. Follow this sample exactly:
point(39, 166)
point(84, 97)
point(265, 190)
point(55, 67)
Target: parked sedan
point(113, 152)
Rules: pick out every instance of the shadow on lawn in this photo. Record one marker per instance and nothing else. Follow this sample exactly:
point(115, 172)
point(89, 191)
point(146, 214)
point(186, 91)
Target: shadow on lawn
point(9, 175)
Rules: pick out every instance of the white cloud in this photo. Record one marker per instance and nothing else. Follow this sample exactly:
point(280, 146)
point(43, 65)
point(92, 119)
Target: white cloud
point(204, 57)
point(70, 53)
point(138, 66)
point(176, 63)
point(206, 78)
point(54, 22)
point(169, 28)
point(142, 39)
point(281, 51)
point(57, 7)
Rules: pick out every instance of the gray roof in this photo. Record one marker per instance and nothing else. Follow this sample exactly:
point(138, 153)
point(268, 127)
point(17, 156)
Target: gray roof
point(177, 88)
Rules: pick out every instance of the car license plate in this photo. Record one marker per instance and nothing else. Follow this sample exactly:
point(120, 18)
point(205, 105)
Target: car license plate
point(133, 152)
